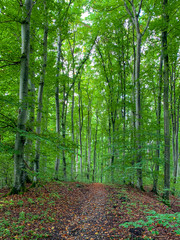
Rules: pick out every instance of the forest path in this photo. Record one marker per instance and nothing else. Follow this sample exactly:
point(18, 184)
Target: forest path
point(90, 224)
point(74, 210)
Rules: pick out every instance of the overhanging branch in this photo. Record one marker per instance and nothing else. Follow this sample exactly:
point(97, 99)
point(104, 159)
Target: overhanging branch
point(80, 67)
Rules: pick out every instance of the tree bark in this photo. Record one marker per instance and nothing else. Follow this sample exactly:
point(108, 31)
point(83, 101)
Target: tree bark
point(133, 124)
point(89, 138)
point(158, 116)
point(166, 104)
point(63, 127)
point(95, 148)
point(80, 124)
point(57, 163)
point(40, 97)
point(135, 20)
point(138, 112)
point(72, 108)
point(175, 102)
point(30, 128)
point(19, 184)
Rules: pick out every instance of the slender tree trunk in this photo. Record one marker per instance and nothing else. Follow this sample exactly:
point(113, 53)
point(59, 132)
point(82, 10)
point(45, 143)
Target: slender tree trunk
point(28, 157)
point(80, 124)
point(138, 113)
point(95, 146)
point(45, 128)
point(76, 158)
point(59, 55)
point(86, 153)
point(109, 136)
point(133, 133)
point(175, 172)
point(124, 109)
point(40, 97)
point(158, 115)
point(19, 183)
point(113, 150)
point(63, 124)
point(89, 139)
point(175, 126)
point(135, 19)
point(72, 130)
point(72, 108)
point(102, 155)
point(166, 106)
point(57, 163)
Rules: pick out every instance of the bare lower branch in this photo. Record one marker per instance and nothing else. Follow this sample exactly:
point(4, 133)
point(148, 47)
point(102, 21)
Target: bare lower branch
point(147, 25)
point(103, 64)
point(80, 67)
point(130, 2)
point(140, 6)
point(70, 2)
point(129, 12)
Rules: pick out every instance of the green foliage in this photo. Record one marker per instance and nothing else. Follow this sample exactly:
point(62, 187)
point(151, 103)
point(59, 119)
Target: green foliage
point(165, 220)
point(20, 203)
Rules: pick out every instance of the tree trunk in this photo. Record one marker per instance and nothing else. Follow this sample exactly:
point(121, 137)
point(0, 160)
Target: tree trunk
point(133, 124)
point(40, 97)
point(29, 158)
point(80, 124)
point(59, 53)
point(63, 124)
point(102, 155)
point(72, 108)
point(175, 172)
point(109, 136)
point(72, 131)
point(57, 163)
point(135, 19)
point(86, 152)
point(124, 109)
point(166, 106)
point(138, 113)
point(19, 183)
point(113, 150)
point(95, 146)
point(89, 139)
point(76, 157)
point(175, 126)
point(30, 128)
point(158, 115)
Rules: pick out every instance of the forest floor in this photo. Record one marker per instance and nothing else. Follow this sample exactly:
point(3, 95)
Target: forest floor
point(64, 210)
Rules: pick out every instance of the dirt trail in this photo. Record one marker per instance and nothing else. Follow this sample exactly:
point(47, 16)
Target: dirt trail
point(88, 225)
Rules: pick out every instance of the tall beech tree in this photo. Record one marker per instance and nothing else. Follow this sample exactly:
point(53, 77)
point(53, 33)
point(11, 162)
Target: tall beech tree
point(158, 116)
point(59, 53)
point(175, 105)
point(166, 101)
point(19, 183)
point(135, 15)
point(40, 93)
